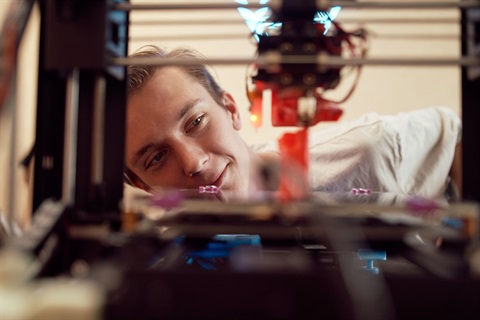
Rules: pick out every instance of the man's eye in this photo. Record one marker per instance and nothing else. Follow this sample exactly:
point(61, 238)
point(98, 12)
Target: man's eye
point(158, 158)
point(195, 123)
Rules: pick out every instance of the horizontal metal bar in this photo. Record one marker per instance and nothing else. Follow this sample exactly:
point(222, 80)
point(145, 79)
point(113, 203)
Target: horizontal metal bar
point(320, 60)
point(185, 22)
point(230, 36)
point(345, 4)
point(407, 4)
point(196, 22)
point(124, 6)
point(190, 37)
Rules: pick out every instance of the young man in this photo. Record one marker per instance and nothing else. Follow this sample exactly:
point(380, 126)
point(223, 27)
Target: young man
point(183, 132)
point(183, 129)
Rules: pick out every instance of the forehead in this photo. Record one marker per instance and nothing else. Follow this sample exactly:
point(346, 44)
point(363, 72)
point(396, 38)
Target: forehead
point(167, 87)
point(165, 79)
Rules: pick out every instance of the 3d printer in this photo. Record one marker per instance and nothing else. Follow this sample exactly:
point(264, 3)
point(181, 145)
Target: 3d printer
point(268, 259)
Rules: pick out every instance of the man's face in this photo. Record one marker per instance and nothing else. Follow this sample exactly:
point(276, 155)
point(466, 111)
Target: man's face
point(179, 137)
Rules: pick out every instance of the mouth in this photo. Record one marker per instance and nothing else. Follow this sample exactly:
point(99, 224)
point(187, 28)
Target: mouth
point(219, 179)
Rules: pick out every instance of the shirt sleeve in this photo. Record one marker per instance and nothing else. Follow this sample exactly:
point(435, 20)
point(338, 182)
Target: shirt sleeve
point(426, 146)
point(407, 153)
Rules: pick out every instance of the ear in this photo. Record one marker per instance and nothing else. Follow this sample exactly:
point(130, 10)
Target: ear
point(232, 110)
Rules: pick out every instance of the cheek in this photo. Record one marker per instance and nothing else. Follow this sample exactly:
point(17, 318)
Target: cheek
point(223, 132)
point(225, 141)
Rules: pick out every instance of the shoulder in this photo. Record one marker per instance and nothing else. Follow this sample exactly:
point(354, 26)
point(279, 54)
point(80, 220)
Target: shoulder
point(373, 131)
point(433, 121)
point(358, 136)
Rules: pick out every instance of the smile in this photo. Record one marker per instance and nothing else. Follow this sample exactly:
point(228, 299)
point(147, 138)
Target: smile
point(220, 178)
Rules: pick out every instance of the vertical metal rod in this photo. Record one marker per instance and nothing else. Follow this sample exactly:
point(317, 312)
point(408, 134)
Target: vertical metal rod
point(98, 138)
point(70, 138)
point(12, 181)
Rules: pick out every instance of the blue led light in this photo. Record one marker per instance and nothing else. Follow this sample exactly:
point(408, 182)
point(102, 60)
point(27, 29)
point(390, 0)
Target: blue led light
point(257, 21)
point(326, 18)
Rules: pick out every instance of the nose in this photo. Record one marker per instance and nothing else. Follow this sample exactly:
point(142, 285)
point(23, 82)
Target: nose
point(192, 158)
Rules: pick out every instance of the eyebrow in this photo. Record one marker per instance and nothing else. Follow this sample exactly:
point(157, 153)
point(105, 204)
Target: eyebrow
point(187, 107)
point(139, 154)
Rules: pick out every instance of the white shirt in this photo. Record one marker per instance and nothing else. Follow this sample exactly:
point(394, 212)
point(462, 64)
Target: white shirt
point(407, 153)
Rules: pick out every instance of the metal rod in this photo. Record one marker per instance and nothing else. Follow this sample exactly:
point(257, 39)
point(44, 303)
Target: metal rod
point(399, 20)
point(230, 36)
point(191, 37)
point(98, 140)
point(184, 6)
point(345, 4)
point(70, 138)
point(423, 37)
point(12, 179)
point(185, 22)
point(319, 60)
point(393, 20)
point(406, 4)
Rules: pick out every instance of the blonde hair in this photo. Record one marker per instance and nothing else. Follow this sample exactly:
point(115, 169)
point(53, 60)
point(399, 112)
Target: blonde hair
point(138, 75)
